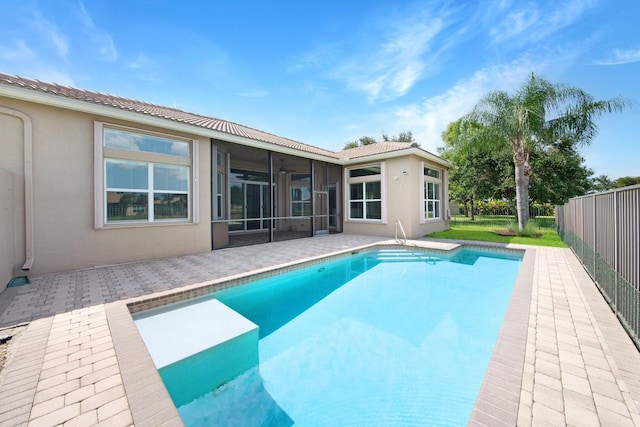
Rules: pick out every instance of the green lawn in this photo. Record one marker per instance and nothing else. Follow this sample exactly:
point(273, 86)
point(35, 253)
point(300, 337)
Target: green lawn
point(481, 232)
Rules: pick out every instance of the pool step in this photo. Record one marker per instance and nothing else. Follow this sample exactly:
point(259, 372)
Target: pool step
point(399, 255)
point(198, 347)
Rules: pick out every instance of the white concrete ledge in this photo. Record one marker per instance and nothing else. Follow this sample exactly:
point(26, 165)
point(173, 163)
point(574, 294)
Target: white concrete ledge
point(167, 333)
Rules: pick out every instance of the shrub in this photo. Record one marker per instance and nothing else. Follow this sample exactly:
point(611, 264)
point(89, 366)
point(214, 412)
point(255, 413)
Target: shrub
point(530, 230)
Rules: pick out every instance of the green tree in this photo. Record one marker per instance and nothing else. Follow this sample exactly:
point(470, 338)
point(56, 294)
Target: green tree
point(363, 140)
point(626, 181)
point(477, 171)
point(539, 114)
point(558, 173)
point(601, 183)
point(351, 144)
point(405, 136)
point(481, 171)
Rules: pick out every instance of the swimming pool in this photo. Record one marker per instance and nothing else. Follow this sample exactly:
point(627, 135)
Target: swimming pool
point(380, 338)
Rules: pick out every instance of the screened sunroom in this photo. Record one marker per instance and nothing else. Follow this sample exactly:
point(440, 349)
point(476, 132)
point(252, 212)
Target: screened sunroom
point(264, 196)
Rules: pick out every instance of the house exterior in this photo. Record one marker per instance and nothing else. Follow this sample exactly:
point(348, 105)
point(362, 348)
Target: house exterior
point(89, 179)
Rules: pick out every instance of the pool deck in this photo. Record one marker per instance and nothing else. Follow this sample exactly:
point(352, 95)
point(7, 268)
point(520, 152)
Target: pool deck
point(562, 357)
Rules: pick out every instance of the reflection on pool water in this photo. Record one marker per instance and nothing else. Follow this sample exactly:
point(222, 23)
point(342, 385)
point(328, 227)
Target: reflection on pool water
point(384, 337)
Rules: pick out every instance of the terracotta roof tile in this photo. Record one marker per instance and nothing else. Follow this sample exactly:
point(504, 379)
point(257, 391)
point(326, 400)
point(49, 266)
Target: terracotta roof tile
point(377, 148)
point(162, 112)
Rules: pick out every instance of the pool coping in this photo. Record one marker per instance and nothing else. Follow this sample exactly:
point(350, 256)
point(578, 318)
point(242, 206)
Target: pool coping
point(497, 402)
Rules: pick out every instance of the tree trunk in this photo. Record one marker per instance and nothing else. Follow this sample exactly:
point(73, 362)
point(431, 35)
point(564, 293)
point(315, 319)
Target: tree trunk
point(472, 214)
point(521, 163)
point(522, 194)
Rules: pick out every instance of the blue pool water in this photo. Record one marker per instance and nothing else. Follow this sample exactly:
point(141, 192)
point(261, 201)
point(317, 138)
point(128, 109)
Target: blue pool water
point(379, 338)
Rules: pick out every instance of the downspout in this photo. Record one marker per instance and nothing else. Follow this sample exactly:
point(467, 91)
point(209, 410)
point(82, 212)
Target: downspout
point(28, 184)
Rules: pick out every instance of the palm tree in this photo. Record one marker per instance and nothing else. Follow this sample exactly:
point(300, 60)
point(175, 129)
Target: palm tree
point(539, 114)
point(601, 183)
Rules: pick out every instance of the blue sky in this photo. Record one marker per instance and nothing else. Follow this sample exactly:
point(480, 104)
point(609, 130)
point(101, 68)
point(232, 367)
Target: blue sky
point(325, 73)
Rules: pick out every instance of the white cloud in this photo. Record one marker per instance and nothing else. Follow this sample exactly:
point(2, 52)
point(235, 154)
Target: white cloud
point(514, 24)
point(384, 59)
point(102, 40)
point(397, 63)
point(430, 118)
point(20, 51)
point(618, 57)
point(140, 61)
point(23, 60)
point(534, 21)
point(567, 13)
point(53, 35)
point(308, 59)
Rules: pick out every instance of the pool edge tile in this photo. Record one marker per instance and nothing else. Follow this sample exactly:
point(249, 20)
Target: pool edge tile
point(509, 351)
point(134, 358)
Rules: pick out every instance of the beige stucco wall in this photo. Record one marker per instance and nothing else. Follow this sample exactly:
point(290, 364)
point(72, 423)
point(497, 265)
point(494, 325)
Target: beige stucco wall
point(402, 181)
point(65, 237)
point(12, 226)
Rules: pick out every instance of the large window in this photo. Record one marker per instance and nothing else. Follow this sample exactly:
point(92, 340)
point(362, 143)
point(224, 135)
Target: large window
point(300, 201)
point(365, 193)
point(300, 194)
point(144, 177)
point(220, 184)
point(432, 193)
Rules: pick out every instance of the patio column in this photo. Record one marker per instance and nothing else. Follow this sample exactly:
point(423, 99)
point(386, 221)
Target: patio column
point(312, 183)
point(271, 195)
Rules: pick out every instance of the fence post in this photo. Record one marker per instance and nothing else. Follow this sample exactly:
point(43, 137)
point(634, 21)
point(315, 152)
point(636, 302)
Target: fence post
point(595, 238)
point(615, 248)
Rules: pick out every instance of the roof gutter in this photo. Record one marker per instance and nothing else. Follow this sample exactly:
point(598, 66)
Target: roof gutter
point(28, 184)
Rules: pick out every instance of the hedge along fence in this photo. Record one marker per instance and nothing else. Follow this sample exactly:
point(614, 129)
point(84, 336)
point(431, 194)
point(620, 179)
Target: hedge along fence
point(604, 232)
point(498, 214)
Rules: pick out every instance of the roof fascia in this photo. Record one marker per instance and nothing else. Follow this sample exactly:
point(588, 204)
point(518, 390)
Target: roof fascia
point(400, 153)
point(60, 101)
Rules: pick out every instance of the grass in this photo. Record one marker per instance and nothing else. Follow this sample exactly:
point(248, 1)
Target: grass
point(479, 231)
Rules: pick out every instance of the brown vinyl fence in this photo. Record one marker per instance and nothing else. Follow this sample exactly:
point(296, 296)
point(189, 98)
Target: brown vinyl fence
point(603, 230)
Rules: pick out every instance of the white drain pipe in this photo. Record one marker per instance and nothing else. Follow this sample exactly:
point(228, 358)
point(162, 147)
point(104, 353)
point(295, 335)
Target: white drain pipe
point(28, 184)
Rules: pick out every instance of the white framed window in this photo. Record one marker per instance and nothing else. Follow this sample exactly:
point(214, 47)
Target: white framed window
point(220, 171)
point(143, 177)
point(300, 200)
point(300, 194)
point(432, 194)
point(365, 189)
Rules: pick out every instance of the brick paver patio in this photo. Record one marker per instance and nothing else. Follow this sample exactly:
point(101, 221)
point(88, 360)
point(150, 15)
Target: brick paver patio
point(80, 361)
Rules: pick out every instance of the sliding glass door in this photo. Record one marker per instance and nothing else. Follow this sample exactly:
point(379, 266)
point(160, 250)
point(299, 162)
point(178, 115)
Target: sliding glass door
point(250, 203)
